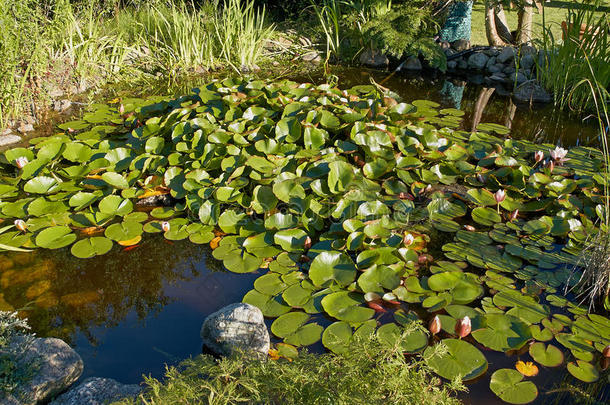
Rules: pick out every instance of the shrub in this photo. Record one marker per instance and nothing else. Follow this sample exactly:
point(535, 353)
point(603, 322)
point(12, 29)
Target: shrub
point(369, 373)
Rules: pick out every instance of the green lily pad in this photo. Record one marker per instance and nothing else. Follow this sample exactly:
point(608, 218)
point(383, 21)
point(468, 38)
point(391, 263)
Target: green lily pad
point(295, 330)
point(548, 356)
point(583, 371)
point(462, 359)
point(55, 237)
point(90, 247)
point(346, 306)
point(508, 384)
point(332, 267)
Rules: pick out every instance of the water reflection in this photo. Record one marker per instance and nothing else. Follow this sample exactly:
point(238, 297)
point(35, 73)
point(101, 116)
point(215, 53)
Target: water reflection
point(127, 312)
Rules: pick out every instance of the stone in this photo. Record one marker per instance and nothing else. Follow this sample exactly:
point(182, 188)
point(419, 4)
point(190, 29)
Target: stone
point(25, 127)
point(9, 139)
point(478, 61)
point(56, 367)
point(495, 68)
point(509, 70)
point(451, 65)
point(412, 64)
point(462, 64)
point(62, 105)
point(527, 61)
point(163, 200)
point(55, 92)
point(507, 54)
point(313, 57)
point(374, 59)
point(520, 77)
point(445, 46)
point(97, 391)
point(490, 62)
point(448, 52)
point(532, 91)
point(528, 50)
point(236, 327)
point(497, 78)
point(460, 45)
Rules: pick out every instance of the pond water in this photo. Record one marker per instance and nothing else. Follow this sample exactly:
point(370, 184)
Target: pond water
point(135, 309)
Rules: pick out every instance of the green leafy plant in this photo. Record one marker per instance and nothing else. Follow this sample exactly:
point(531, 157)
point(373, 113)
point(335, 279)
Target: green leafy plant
point(372, 372)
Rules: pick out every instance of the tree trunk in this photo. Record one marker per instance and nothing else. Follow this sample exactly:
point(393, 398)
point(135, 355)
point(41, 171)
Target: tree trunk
point(524, 30)
point(492, 22)
point(479, 107)
point(502, 25)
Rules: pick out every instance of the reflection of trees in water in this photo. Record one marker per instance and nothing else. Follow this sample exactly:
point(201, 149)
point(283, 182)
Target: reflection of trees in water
point(61, 294)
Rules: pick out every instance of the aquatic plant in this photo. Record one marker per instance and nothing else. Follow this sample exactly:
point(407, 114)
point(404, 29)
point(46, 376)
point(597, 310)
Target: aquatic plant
point(577, 70)
point(356, 205)
point(370, 373)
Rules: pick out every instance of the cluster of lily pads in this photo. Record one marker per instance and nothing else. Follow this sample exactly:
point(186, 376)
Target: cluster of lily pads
point(353, 204)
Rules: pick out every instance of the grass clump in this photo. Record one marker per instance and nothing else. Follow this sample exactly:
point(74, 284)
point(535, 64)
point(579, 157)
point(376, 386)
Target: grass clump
point(12, 328)
point(369, 373)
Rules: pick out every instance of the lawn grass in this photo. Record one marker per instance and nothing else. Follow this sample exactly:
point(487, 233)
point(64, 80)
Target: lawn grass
point(555, 12)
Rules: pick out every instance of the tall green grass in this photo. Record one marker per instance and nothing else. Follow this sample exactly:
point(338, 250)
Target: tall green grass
point(105, 41)
point(578, 60)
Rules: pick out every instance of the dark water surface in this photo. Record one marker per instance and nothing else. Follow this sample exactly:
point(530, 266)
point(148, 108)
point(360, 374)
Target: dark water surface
point(132, 311)
point(127, 313)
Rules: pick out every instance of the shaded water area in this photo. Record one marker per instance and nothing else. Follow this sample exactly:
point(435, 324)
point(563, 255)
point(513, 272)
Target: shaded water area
point(133, 310)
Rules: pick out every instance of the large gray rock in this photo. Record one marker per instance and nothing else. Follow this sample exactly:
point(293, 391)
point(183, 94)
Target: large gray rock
point(97, 391)
point(527, 61)
point(374, 59)
point(460, 45)
point(532, 92)
point(507, 54)
point(56, 367)
point(236, 327)
point(9, 139)
point(413, 64)
point(478, 61)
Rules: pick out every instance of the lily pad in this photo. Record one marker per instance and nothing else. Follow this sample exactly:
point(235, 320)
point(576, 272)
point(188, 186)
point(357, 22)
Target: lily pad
point(509, 386)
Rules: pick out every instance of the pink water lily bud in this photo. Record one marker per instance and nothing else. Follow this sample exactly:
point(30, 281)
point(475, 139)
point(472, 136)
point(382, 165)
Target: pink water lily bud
point(20, 224)
point(514, 215)
point(480, 178)
point(500, 195)
point(463, 327)
point(21, 162)
point(307, 244)
point(470, 228)
point(539, 155)
point(409, 239)
point(121, 109)
point(435, 325)
point(550, 166)
point(606, 352)
point(165, 226)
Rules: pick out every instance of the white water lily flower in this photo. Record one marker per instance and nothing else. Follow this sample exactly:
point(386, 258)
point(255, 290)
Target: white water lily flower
point(343, 100)
point(21, 162)
point(559, 154)
point(20, 224)
point(409, 239)
point(165, 226)
point(575, 224)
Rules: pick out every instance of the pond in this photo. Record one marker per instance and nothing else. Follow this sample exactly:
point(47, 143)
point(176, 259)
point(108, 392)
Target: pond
point(134, 307)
